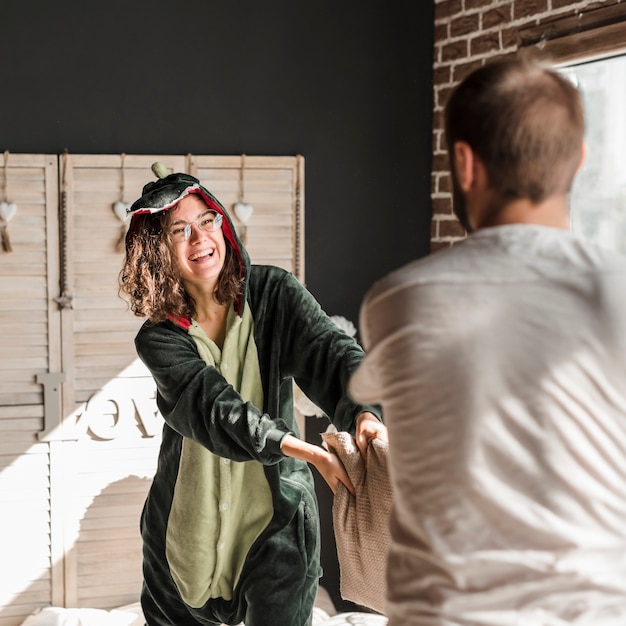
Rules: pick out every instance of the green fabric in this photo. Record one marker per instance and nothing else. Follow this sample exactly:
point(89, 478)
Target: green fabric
point(220, 507)
point(295, 339)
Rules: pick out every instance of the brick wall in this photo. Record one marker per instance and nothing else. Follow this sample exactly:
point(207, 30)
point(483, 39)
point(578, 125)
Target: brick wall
point(468, 33)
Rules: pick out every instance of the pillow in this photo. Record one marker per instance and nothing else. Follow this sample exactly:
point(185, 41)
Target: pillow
point(59, 616)
point(320, 617)
point(136, 610)
point(361, 523)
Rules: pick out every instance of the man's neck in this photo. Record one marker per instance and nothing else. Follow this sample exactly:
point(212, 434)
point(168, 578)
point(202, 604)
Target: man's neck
point(552, 212)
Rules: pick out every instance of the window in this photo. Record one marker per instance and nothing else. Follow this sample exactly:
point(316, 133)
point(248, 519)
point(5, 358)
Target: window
point(590, 47)
point(598, 200)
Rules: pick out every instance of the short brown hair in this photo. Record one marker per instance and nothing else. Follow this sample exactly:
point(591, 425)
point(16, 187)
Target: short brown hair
point(526, 124)
point(150, 282)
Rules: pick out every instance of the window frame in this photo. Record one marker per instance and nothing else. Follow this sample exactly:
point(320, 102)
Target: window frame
point(586, 35)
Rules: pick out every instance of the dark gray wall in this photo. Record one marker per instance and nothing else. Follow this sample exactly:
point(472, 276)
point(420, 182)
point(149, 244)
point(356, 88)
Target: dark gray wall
point(345, 83)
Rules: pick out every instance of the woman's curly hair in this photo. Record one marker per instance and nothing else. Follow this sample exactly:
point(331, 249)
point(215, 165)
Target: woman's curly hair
point(150, 282)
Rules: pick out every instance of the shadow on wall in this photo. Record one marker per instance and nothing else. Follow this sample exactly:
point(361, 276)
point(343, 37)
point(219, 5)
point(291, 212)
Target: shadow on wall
point(105, 555)
point(108, 548)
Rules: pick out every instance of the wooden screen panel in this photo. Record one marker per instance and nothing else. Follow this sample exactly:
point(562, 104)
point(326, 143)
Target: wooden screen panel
point(27, 279)
point(112, 482)
point(109, 394)
point(98, 329)
point(29, 346)
point(274, 188)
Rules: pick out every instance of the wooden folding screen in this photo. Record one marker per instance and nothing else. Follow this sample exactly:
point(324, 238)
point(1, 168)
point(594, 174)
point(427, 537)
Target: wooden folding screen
point(78, 420)
point(29, 346)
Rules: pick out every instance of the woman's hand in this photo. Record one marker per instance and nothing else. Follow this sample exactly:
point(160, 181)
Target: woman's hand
point(333, 472)
point(369, 427)
point(326, 463)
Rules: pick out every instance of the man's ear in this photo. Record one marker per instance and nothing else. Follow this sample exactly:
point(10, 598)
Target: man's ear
point(464, 165)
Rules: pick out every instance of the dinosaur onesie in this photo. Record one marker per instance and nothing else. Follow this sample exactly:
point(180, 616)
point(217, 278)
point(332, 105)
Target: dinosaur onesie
point(230, 526)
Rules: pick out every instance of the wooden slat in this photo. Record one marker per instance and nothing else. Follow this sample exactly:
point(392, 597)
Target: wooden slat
point(21, 376)
point(20, 425)
point(28, 364)
point(33, 593)
point(21, 446)
point(9, 412)
point(10, 337)
point(27, 352)
point(108, 602)
point(22, 306)
point(20, 396)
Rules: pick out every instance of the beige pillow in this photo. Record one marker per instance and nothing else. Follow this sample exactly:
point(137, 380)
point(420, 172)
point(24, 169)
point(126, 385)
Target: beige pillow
point(361, 523)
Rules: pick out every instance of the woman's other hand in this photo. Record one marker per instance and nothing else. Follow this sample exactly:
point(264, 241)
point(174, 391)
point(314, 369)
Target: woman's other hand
point(369, 427)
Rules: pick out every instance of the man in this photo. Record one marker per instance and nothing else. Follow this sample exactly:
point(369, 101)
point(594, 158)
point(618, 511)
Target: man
point(500, 365)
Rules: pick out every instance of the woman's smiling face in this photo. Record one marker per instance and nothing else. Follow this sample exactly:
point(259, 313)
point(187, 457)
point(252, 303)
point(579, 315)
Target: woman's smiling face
point(200, 258)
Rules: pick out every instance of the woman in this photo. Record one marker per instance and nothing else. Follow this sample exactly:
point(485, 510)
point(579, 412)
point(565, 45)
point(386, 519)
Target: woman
point(230, 526)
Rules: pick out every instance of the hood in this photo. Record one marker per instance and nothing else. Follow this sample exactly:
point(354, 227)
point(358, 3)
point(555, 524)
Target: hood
point(164, 193)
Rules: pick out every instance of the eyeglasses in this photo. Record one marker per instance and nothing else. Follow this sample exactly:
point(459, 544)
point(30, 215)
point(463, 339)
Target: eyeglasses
point(209, 221)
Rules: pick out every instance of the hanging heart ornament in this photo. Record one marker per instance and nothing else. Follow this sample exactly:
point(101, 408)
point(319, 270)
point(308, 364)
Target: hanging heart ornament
point(243, 211)
point(7, 211)
point(120, 208)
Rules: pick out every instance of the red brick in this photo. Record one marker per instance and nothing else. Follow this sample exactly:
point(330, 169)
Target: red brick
point(441, 32)
point(440, 162)
point(448, 8)
point(511, 54)
point(528, 8)
point(485, 44)
point(464, 25)
point(451, 228)
point(454, 51)
point(510, 38)
point(433, 229)
point(441, 75)
point(460, 71)
point(497, 17)
point(442, 94)
point(442, 206)
point(476, 4)
point(438, 120)
point(444, 183)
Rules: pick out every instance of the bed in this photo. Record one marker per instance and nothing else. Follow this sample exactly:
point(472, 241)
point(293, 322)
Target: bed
point(324, 614)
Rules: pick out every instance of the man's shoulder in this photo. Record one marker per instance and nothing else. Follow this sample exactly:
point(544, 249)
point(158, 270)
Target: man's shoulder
point(443, 264)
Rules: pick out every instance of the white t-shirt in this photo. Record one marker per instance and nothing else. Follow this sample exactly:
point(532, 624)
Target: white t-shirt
point(500, 365)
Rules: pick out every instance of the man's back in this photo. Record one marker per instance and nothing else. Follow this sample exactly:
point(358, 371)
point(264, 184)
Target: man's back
point(507, 428)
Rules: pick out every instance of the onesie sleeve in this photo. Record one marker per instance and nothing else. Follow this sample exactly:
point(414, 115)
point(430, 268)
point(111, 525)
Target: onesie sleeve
point(198, 403)
point(319, 355)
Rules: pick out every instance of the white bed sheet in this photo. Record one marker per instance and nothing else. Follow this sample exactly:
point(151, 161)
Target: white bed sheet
point(324, 614)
